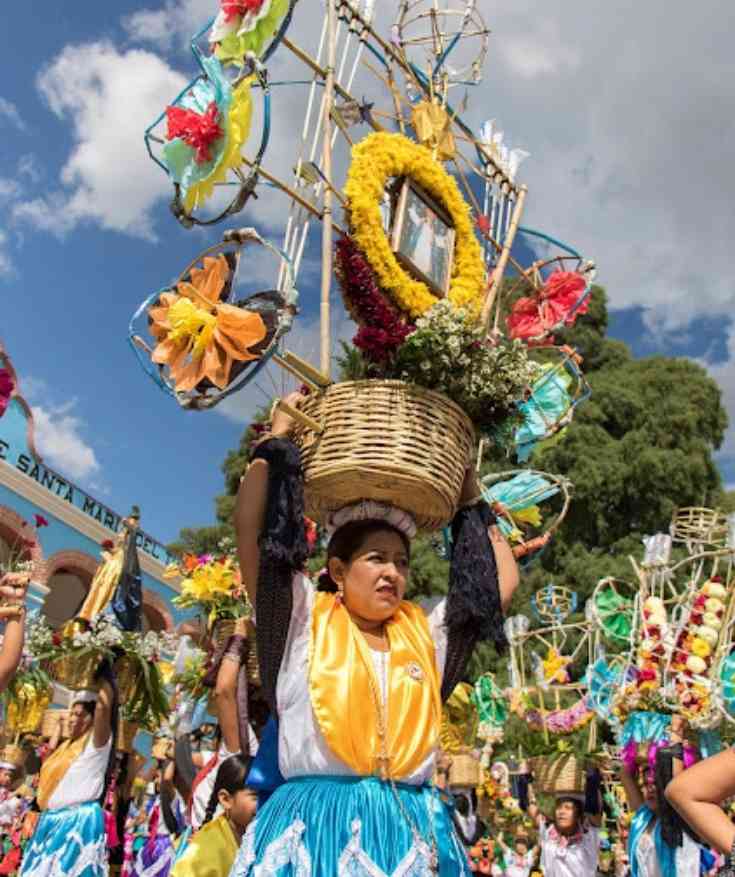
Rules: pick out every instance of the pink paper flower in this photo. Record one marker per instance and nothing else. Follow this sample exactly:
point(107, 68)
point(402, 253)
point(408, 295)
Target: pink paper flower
point(6, 389)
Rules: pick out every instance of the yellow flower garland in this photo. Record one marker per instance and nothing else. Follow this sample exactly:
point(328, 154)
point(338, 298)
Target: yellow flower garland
point(375, 159)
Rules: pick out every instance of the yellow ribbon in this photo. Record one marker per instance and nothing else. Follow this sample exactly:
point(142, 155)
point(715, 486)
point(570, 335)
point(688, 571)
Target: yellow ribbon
point(343, 687)
point(56, 765)
point(459, 721)
point(432, 126)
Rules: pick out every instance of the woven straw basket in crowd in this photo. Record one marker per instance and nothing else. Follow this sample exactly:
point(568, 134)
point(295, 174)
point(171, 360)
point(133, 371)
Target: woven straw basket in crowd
point(386, 441)
point(50, 722)
point(464, 770)
point(565, 774)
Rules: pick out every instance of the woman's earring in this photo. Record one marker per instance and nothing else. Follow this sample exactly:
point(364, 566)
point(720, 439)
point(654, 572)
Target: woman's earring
point(340, 594)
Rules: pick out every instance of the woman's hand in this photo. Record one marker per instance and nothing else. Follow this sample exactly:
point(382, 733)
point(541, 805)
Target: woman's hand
point(282, 423)
point(13, 588)
point(470, 486)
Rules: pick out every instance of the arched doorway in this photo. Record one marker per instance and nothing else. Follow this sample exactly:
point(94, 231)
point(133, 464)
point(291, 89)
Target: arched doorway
point(156, 614)
point(68, 577)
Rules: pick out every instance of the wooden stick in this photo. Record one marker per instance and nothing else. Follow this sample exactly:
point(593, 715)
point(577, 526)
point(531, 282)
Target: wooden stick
point(326, 353)
point(302, 418)
point(301, 369)
point(503, 260)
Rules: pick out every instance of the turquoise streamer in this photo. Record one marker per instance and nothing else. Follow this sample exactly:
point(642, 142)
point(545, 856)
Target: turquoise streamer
point(645, 727)
point(519, 492)
point(602, 683)
point(547, 405)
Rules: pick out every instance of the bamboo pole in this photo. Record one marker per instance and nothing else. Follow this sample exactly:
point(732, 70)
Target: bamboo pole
point(503, 260)
point(326, 354)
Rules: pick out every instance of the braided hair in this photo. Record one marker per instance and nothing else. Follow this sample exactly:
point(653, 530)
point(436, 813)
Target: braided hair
point(231, 777)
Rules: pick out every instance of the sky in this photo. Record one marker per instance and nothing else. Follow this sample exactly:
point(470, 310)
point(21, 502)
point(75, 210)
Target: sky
point(626, 110)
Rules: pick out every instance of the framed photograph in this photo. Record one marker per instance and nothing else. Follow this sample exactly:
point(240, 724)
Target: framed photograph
point(423, 238)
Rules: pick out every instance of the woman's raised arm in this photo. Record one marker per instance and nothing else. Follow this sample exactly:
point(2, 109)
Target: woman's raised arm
point(696, 794)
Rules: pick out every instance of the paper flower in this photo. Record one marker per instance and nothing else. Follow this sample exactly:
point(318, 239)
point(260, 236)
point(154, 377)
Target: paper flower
point(696, 664)
point(708, 634)
point(244, 26)
point(701, 648)
point(207, 128)
point(6, 389)
point(561, 300)
point(198, 335)
point(555, 667)
point(714, 588)
point(712, 620)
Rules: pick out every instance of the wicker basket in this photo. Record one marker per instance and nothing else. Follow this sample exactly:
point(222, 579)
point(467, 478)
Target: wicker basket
point(387, 441)
point(50, 722)
point(75, 673)
point(464, 770)
point(557, 776)
point(126, 732)
point(224, 628)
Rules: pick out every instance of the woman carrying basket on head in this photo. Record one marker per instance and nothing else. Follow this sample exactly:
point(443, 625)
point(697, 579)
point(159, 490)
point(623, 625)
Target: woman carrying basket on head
point(356, 674)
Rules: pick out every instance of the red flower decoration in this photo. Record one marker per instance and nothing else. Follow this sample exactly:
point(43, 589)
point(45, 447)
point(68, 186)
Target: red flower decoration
point(556, 305)
point(196, 130)
point(108, 544)
point(6, 389)
point(56, 639)
point(40, 521)
point(382, 331)
point(483, 223)
point(237, 8)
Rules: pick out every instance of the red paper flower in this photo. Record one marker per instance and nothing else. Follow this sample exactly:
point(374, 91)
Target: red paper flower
point(556, 305)
point(196, 130)
point(40, 521)
point(6, 389)
point(108, 544)
point(483, 223)
point(237, 8)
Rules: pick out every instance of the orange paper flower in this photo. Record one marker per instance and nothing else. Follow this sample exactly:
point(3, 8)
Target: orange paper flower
point(198, 335)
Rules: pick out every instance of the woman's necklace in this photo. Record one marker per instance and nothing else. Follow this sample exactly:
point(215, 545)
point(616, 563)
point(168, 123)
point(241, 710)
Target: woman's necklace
point(382, 759)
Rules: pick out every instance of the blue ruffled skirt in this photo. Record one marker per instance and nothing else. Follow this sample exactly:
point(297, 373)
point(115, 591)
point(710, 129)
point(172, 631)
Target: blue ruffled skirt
point(350, 827)
point(69, 841)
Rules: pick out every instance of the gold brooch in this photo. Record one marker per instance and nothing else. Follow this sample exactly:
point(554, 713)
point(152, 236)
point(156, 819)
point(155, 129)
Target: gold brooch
point(415, 672)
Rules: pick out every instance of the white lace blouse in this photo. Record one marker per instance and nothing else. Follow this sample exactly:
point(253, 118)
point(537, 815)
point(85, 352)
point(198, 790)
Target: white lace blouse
point(302, 750)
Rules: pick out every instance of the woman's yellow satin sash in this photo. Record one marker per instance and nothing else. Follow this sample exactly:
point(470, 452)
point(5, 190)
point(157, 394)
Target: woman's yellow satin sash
point(343, 686)
point(211, 852)
point(56, 766)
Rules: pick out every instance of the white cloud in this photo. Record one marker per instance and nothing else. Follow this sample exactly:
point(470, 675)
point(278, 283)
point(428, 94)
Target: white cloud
point(9, 113)
point(59, 437)
point(6, 262)
point(171, 25)
point(110, 97)
point(9, 189)
point(29, 167)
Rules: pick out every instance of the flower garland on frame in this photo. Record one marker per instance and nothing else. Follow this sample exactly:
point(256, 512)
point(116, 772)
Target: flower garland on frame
point(381, 330)
point(379, 157)
point(695, 648)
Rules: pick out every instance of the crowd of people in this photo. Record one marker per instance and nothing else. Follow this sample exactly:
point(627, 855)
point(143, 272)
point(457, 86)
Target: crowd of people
point(341, 778)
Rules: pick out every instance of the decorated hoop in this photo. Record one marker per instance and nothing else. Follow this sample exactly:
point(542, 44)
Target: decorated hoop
point(242, 29)
point(375, 160)
point(206, 127)
point(208, 346)
point(551, 401)
point(435, 33)
point(554, 604)
point(559, 292)
point(515, 496)
point(387, 441)
point(612, 607)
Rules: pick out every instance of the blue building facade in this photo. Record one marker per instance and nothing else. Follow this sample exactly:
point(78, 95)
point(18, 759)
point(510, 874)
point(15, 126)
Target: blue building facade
point(47, 519)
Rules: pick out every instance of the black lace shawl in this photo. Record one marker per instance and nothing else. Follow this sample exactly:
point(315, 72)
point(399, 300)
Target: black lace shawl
point(283, 551)
point(474, 613)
